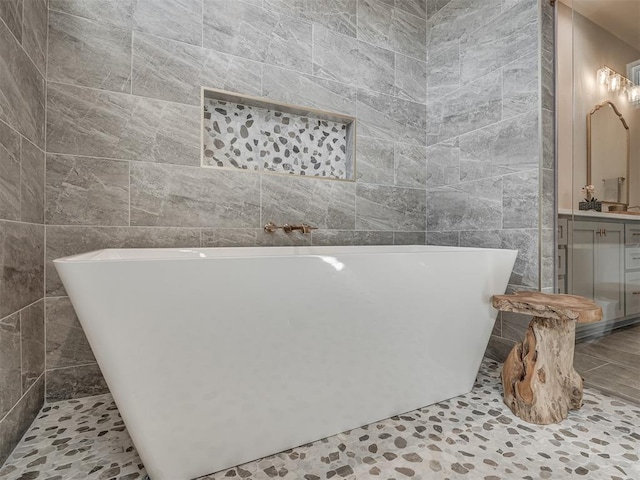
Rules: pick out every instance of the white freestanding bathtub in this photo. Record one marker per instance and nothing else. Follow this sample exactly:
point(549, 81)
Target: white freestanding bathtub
point(220, 356)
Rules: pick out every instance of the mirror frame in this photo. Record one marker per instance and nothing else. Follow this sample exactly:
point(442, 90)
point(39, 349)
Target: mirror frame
point(626, 126)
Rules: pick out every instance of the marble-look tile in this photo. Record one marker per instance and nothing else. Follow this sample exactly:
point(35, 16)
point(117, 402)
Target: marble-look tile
point(499, 42)
point(520, 83)
point(409, 238)
point(252, 32)
point(63, 241)
point(374, 161)
point(9, 173)
point(115, 12)
point(443, 163)
point(32, 183)
point(391, 28)
point(455, 19)
point(10, 376)
point(320, 203)
point(169, 195)
point(443, 73)
point(548, 139)
point(448, 239)
point(364, 237)
point(498, 349)
point(22, 89)
point(11, 14)
point(305, 90)
point(390, 118)
point(82, 121)
point(434, 6)
point(16, 423)
point(88, 53)
point(548, 199)
point(415, 7)
point(506, 147)
point(481, 239)
point(75, 382)
point(251, 237)
point(390, 208)
point(179, 20)
point(66, 343)
point(473, 205)
point(548, 259)
point(410, 165)
point(21, 265)
point(176, 71)
point(520, 199)
point(351, 237)
point(32, 343)
point(336, 15)
point(525, 270)
point(470, 107)
point(410, 79)
point(34, 31)
point(87, 191)
point(350, 61)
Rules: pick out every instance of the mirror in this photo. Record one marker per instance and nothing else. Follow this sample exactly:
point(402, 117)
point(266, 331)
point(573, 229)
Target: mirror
point(608, 146)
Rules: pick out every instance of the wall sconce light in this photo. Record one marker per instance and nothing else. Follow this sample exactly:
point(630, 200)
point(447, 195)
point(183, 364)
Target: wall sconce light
point(618, 83)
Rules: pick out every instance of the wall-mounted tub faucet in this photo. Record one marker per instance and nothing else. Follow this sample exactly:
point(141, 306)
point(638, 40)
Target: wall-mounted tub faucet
point(303, 227)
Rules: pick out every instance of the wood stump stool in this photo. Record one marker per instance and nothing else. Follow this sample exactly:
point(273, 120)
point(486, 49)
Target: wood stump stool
point(539, 381)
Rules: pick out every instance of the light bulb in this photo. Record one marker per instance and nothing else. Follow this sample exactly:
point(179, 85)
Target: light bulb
point(633, 94)
point(615, 82)
point(603, 76)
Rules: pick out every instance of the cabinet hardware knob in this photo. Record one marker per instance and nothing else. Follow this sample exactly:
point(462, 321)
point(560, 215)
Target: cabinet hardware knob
point(635, 293)
point(635, 234)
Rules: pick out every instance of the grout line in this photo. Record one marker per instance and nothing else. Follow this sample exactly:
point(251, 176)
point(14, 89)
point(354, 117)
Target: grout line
point(88, 364)
point(21, 398)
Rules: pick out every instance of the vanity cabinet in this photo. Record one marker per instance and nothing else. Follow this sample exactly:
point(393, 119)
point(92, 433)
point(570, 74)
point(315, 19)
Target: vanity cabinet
point(596, 264)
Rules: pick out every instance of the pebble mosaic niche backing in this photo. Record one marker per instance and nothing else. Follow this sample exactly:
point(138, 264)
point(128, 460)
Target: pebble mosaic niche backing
point(255, 134)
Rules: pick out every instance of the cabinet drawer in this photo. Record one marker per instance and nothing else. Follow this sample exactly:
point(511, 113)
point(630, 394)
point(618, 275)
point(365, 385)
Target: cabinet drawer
point(632, 234)
point(563, 234)
point(632, 299)
point(562, 261)
point(632, 260)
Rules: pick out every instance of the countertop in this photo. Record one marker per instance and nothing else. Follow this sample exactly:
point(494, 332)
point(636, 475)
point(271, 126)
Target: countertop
point(594, 214)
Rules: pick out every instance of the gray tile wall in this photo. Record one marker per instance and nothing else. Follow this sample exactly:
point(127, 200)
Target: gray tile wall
point(23, 41)
point(448, 150)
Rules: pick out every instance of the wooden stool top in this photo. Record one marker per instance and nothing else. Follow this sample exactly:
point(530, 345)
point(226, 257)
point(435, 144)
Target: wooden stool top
point(547, 305)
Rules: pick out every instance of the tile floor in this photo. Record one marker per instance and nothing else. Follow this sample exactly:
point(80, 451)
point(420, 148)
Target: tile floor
point(469, 437)
point(612, 363)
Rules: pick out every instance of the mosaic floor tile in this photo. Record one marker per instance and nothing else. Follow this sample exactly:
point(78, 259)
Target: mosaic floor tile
point(474, 436)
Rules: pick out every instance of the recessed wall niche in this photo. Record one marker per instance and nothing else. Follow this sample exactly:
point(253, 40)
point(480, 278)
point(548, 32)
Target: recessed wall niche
point(257, 134)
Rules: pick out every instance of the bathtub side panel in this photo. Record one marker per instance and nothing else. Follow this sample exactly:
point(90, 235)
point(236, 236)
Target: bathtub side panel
point(220, 361)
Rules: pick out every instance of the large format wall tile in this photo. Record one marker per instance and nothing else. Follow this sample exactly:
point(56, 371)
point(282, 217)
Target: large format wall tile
point(443, 73)
point(176, 19)
point(443, 163)
point(391, 118)
point(520, 199)
point(9, 173)
point(319, 203)
point(114, 12)
point(410, 79)
point(11, 14)
point(410, 165)
point(308, 91)
point(375, 161)
point(350, 61)
point(391, 28)
point(75, 382)
point(21, 265)
point(83, 121)
point(32, 337)
point(248, 31)
point(457, 19)
point(10, 373)
point(16, 423)
point(32, 183)
point(502, 148)
point(409, 238)
point(520, 83)
point(337, 15)
point(503, 40)
point(351, 237)
point(66, 343)
point(390, 208)
point(164, 195)
point(63, 241)
point(466, 206)
point(22, 89)
point(176, 71)
point(87, 191)
point(470, 107)
point(251, 237)
point(34, 31)
point(89, 53)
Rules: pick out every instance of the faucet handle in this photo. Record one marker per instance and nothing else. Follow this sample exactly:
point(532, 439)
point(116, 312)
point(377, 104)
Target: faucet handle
point(271, 227)
point(307, 228)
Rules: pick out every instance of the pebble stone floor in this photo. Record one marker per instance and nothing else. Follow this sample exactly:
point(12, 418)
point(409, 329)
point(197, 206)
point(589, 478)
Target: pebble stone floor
point(473, 436)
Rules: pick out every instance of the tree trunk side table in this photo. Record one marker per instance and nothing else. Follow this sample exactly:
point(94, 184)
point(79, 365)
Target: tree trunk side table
point(539, 381)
